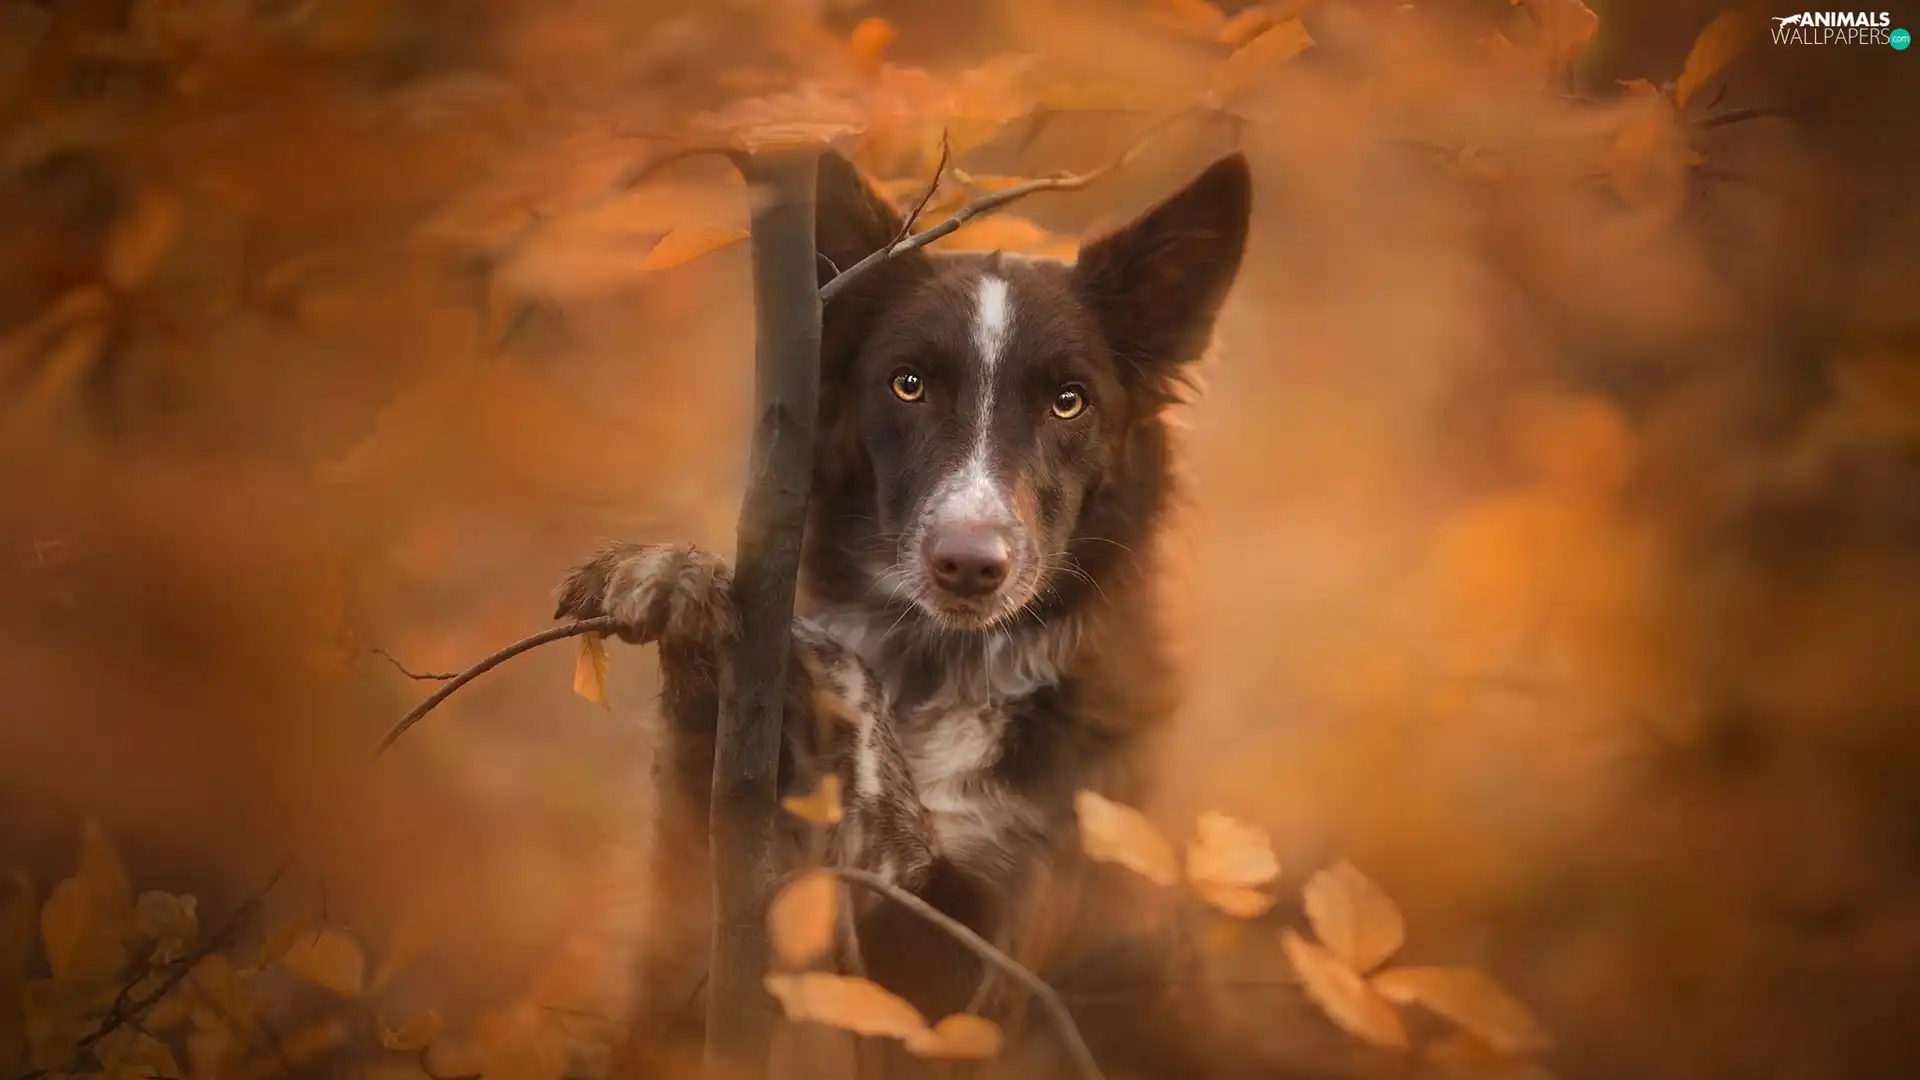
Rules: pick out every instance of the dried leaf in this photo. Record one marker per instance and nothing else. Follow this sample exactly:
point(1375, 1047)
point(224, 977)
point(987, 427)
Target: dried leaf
point(1251, 62)
point(86, 919)
point(687, 244)
point(281, 938)
point(415, 1033)
point(1235, 900)
point(141, 240)
point(1723, 40)
point(1230, 852)
point(821, 806)
point(590, 670)
point(328, 957)
point(1358, 921)
point(1471, 999)
point(855, 1005)
point(802, 918)
point(1342, 994)
point(1115, 833)
point(960, 1037)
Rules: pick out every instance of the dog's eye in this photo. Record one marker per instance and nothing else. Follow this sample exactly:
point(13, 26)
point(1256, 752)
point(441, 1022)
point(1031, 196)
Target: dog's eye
point(908, 386)
point(1070, 402)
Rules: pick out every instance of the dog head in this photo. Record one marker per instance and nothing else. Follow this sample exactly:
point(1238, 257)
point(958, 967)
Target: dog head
point(989, 421)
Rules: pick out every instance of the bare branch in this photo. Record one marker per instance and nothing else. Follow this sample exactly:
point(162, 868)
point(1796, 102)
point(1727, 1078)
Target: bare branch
point(601, 625)
point(1741, 116)
point(1049, 999)
point(933, 186)
point(987, 204)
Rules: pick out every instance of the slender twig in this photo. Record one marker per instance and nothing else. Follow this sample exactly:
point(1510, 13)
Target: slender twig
point(1084, 1065)
point(988, 203)
point(419, 676)
point(933, 186)
point(127, 1009)
point(600, 625)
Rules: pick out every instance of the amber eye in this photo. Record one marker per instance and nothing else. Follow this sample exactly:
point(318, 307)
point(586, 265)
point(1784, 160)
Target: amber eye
point(1070, 402)
point(907, 386)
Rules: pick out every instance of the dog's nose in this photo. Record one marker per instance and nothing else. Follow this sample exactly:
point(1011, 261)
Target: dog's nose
point(969, 560)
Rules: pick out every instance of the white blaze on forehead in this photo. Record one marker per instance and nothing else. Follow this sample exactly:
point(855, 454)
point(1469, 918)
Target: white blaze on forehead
point(972, 493)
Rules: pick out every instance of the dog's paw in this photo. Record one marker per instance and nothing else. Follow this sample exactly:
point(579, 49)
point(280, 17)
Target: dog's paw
point(674, 592)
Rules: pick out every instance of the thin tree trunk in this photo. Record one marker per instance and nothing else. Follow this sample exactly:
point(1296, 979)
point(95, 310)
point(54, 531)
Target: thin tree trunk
point(786, 299)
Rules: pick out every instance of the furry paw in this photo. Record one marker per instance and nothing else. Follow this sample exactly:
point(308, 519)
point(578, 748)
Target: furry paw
point(673, 592)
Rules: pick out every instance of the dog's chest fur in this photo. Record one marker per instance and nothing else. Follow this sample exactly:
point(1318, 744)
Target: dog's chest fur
point(955, 704)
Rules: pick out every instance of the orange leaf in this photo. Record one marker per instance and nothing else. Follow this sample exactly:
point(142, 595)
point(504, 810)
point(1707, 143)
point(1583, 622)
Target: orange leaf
point(1235, 900)
point(866, 44)
point(1112, 832)
point(1723, 40)
point(801, 919)
point(683, 245)
point(330, 958)
point(590, 670)
point(811, 116)
point(1359, 922)
point(1250, 62)
point(1250, 23)
point(960, 1037)
point(850, 1004)
point(1342, 994)
point(1563, 29)
point(1005, 232)
point(821, 806)
point(1471, 999)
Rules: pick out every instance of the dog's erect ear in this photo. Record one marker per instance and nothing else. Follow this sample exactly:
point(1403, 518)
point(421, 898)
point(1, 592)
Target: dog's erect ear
point(1157, 283)
point(851, 220)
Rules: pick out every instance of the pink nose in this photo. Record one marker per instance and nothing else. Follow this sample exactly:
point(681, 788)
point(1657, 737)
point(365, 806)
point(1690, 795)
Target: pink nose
point(968, 560)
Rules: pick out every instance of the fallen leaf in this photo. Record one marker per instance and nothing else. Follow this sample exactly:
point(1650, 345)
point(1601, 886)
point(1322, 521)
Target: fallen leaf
point(960, 1037)
point(1353, 916)
point(1342, 994)
point(329, 958)
point(86, 919)
point(1723, 40)
point(1251, 62)
point(802, 918)
point(415, 1033)
point(820, 806)
point(1115, 833)
point(686, 244)
point(590, 670)
point(1471, 999)
point(851, 1004)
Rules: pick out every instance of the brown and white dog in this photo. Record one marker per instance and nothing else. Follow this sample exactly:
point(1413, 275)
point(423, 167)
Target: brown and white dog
point(977, 634)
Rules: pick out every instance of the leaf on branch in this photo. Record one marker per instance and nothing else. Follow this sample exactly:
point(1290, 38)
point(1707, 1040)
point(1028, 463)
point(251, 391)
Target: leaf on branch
point(169, 921)
point(1471, 999)
point(415, 1033)
point(960, 1037)
point(810, 117)
point(1251, 62)
point(1342, 994)
point(821, 806)
point(1116, 833)
point(85, 921)
point(1227, 863)
point(590, 670)
point(1722, 42)
point(857, 1005)
point(802, 918)
point(1353, 916)
point(328, 957)
point(687, 244)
